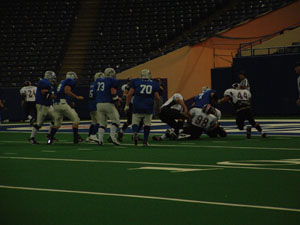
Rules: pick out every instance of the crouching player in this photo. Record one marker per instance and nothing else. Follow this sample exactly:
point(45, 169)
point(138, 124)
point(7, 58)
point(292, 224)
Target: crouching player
point(62, 108)
point(144, 91)
point(44, 100)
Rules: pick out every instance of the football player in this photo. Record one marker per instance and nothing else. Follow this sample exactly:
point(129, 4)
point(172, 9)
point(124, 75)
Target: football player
point(200, 120)
point(208, 96)
point(241, 101)
point(28, 93)
point(174, 112)
point(93, 130)
point(125, 89)
point(62, 108)
point(106, 97)
point(145, 91)
point(44, 101)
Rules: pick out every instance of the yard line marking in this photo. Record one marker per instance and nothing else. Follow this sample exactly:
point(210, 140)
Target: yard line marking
point(191, 146)
point(85, 149)
point(172, 169)
point(148, 163)
point(47, 151)
point(152, 198)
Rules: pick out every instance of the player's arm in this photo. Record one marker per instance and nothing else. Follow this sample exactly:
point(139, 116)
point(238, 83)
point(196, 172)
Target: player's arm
point(1, 104)
point(225, 99)
point(157, 99)
point(114, 95)
point(68, 91)
point(128, 99)
point(48, 94)
point(214, 98)
point(181, 102)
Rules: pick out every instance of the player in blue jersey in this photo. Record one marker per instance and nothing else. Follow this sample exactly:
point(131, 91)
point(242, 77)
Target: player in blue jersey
point(145, 91)
point(93, 130)
point(106, 98)
point(208, 96)
point(62, 108)
point(44, 101)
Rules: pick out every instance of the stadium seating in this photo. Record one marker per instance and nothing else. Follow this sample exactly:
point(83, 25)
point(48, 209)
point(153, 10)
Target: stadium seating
point(127, 33)
point(33, 38)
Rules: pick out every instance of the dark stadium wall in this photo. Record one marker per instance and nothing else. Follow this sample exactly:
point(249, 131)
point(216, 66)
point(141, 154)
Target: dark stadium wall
point(273, 83)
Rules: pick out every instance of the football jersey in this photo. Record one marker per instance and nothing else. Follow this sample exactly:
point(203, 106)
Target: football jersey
point(239, 98)
point(92, 98)
point(171, 102)
point(29, 92)
point(127, 87)
point(40, 98)
point(203, 98)
point(60, 95)
point(201, 119)
point(143, 95)
point(102, 89)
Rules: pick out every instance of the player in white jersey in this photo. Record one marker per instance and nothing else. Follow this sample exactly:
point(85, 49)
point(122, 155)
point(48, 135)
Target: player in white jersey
point(241, 101)
point(28, 93)
point(174, 112)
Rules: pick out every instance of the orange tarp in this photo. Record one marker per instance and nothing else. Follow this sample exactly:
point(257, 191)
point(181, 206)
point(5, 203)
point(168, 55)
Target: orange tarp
point(188, 69)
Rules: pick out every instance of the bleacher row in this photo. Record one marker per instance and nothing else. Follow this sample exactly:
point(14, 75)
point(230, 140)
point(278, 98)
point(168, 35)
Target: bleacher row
point(34, 34)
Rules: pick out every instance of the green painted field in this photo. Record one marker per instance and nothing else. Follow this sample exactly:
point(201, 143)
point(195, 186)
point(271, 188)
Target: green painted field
point(230, 181)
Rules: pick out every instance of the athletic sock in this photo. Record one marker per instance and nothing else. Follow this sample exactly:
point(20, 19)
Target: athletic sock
point(146, 133)
point(101, 132)
point(91, 129)
point(113, 131)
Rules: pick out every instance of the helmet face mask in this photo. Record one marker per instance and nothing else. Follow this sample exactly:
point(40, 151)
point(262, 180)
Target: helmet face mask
point(110, 72)
point(50, 75)
point(98, 75)
point(208, 109)
point(146, 74)
point(71, 75)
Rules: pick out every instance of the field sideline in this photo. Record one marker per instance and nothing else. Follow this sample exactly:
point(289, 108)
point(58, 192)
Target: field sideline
point(224, 181)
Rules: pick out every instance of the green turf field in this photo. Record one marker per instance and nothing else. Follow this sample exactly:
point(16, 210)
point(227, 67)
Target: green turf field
point(231, 181)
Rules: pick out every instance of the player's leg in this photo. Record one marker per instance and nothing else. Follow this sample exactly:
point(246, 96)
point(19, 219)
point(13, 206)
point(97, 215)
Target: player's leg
point(93, 127)
point(136, 119)
point(256, 125)
point(41, 116)
point(114, 116)
point(71, 114)
point(147, 127)
point(126, 124)
point(102, 120)
point(58, 115)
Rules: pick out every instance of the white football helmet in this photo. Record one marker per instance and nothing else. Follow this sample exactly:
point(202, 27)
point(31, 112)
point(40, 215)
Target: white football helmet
point(109, 72)
point(50, 75)
point(205, 88)
point(146, 74)
point(71, 75)
point(235, 86)
point(98, 75)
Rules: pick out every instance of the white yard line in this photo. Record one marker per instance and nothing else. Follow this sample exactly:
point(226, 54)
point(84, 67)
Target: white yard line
point(151, 198)
point(149, 163)
point(188, 145)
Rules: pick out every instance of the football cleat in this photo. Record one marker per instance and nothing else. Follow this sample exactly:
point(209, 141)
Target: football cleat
point(109, 140)
point(115, 142)
point(263, 135)
point(33, 141)
point(54, 139)
point(77, 139)
point(145, 143)
point(92, 138)
point(100, 143)
point(248, 132)
point(50, 140)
